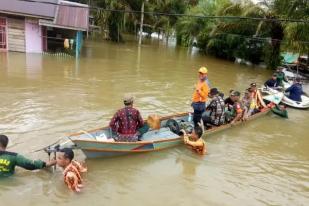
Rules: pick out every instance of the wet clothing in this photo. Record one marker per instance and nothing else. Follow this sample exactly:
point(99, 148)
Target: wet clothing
point(9, 160)
point(280, 78)
point(72, 175)
point(216, 108)
point(200, 93)
point(271, 83)
point(198, 146)
point(126, 123)
point(296, 90)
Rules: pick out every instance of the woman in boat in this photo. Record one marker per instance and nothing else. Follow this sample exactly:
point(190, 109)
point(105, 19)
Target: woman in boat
point(194, 141)
point(73, 170)
point(200, 96)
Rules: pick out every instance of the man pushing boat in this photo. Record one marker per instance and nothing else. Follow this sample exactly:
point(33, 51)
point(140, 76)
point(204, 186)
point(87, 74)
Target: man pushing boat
point(126, 122)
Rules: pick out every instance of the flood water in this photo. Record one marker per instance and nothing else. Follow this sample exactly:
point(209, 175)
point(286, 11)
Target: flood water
point(43, 98)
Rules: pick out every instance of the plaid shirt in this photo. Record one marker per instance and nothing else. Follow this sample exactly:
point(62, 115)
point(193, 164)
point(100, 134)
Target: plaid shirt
point(216, 108)
point(126, 121)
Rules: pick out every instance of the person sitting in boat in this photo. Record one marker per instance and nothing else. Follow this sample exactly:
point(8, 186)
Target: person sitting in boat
point(200, 96)
point(126, 122)
point(248, 105)
point(272, 83)
point(228, 101)
point(296, 90)
point(228, 106)
point(281, 77)
point(237, 111)
point(194, 141)
point(215, 114)
point(257, 97)
point(72, 170)
point(9, 160)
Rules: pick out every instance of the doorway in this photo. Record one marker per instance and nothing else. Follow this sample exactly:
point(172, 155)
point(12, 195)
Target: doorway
point(3, 37)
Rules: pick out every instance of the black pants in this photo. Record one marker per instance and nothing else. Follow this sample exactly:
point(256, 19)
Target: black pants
point(199, 109)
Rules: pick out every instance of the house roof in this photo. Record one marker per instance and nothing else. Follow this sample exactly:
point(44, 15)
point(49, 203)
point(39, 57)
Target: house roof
point(46, 9)
point(72, 14)
point(58, 13)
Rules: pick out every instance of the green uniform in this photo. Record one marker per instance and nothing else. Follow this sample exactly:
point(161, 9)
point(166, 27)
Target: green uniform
point(280, 78)
point(9, 160)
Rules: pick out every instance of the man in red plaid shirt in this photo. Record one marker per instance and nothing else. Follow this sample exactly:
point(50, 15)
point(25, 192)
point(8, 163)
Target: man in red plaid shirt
point(126, 122)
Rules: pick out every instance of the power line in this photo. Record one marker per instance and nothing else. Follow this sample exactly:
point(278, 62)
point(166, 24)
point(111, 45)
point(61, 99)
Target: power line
point(260, 38)
point(171, 14)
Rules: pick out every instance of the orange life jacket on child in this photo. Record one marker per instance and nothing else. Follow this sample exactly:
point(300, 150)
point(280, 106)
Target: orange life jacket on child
point(72, 175)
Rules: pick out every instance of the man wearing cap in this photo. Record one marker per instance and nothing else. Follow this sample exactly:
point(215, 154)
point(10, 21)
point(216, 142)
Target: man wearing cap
point(296, 90)
point(126, 122)
point(237, 112)
point(200, 96)
point(272, 83)
point(215, 110)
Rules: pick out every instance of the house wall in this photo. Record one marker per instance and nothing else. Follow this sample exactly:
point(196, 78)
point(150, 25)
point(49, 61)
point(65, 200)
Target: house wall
point(16, 34)
point(34, 42)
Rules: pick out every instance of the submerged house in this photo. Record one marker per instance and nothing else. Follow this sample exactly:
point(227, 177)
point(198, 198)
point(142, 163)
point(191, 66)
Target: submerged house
point(42, 25)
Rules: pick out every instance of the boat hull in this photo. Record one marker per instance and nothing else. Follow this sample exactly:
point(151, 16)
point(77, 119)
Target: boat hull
point(105, 150)
point(304, 104)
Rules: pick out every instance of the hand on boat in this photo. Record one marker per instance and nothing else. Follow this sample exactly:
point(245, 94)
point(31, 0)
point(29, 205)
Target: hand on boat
point(183, 132)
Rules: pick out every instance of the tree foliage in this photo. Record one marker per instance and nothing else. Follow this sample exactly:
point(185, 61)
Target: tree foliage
point(251, 40)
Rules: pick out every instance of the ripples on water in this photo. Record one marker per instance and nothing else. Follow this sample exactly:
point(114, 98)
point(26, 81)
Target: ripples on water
point(264, 162)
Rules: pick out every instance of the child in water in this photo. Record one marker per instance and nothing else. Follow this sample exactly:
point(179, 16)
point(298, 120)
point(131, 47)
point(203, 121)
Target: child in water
point(195, 142)
point(72, 169)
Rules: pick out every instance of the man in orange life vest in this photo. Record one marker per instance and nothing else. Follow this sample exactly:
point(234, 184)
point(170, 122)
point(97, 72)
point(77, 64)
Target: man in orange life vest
point(200, 96)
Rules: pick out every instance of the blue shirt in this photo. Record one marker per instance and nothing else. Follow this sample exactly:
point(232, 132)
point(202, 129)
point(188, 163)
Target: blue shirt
point(271, 83)
point(296, 90)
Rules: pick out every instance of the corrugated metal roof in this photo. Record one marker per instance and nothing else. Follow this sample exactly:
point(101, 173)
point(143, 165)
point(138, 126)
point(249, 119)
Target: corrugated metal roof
point(24, 8)
point(74, 15)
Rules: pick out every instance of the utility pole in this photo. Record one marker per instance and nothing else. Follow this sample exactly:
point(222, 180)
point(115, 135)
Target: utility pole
point(141, 24)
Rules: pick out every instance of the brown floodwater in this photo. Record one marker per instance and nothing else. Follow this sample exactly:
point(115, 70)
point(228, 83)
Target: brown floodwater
point(264, 162)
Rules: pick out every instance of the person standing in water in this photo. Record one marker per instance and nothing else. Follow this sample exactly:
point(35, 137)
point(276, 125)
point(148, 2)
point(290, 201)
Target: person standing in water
point(200, 96)
point(72, 170)
point(9, 160)
point(195, 141)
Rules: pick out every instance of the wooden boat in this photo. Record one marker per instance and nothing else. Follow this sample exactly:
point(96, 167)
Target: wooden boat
point(153, 140)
